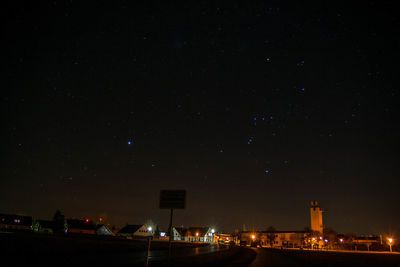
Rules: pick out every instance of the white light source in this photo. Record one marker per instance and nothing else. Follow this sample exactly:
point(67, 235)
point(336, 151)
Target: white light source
point(212, 231)
point(162, 234)
point(149, 228)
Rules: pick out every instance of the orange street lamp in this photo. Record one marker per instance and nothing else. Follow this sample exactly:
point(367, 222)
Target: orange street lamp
point(253, 237)
point(390, 239)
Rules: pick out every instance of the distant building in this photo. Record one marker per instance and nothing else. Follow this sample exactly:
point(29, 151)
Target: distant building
point(102, 229)
point(316, 217)
point(366, 240)
point(11, 222)
point(193, 234)
point(138, 230)
point(43, 226)
point(76, 226)
point(274, 238)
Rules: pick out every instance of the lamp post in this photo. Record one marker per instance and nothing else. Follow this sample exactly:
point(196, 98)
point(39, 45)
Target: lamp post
point(390, 243)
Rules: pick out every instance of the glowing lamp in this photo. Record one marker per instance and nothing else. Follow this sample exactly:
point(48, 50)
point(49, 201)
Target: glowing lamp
point(197, 234)
point(253, 237)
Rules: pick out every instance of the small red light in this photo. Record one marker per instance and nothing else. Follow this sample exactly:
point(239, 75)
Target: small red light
point(87, 220)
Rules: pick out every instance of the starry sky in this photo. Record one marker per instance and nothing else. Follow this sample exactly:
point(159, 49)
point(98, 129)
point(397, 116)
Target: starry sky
point(254, 108)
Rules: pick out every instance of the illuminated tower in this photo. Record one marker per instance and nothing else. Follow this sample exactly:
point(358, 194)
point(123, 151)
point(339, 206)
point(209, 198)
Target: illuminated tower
point(316, 217)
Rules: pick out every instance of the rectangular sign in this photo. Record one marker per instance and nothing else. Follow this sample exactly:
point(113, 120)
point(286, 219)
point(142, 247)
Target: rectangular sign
point(172, 199)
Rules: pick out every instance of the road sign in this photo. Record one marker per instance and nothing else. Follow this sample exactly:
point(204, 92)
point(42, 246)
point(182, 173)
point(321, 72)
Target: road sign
point(172, 199)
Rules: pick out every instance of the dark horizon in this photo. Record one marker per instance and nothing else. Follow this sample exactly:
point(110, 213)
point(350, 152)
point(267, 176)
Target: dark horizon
point(255, 109)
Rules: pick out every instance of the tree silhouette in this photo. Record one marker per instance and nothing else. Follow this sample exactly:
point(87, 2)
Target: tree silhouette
point(271, 235)
point(157, 231)
point(58, 223)
point(331, 236)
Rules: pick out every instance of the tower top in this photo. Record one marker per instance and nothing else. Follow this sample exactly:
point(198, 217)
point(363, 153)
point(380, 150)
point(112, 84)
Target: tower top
point(314, 204)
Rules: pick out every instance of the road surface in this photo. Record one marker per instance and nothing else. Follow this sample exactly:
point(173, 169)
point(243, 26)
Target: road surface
point(277, 257)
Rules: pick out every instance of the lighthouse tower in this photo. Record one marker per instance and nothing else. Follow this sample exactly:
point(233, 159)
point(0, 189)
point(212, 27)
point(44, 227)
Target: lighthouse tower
point(316, 217)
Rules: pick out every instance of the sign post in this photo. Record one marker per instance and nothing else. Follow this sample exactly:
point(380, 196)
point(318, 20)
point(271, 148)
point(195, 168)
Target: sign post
point(172, 199)
point(148, 251)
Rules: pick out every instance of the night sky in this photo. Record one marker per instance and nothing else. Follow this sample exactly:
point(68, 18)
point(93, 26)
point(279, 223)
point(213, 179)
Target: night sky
point(255, 109)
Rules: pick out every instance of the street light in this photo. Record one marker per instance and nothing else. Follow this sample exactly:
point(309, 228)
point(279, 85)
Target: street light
point(390, 239)
point(253, 237)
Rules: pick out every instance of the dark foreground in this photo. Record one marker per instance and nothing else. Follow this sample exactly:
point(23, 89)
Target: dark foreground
point(24, 249)
point(35, 249)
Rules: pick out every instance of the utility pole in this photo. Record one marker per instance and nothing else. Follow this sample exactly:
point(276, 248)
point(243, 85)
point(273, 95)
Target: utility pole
point(172, 199)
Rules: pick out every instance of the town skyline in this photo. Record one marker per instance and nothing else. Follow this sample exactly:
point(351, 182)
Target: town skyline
point(162, 223)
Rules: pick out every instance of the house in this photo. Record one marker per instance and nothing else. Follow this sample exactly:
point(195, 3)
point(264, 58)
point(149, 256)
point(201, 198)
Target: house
point(11, 222)
point(43, 226)
point(275, 238)
point(102, 229)
point(76, 226)
point(193, 234)
point(138, 230)
point(178, 233)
